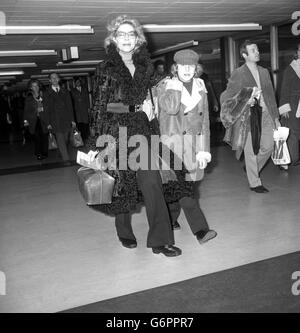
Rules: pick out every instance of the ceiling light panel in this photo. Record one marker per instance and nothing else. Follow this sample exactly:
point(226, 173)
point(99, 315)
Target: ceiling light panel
point(67, 70)
point(23, 53)
point(38, 30)
point(19, 65)
point(200, 27)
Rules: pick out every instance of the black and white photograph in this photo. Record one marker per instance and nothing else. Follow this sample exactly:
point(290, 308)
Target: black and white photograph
point(149, 159)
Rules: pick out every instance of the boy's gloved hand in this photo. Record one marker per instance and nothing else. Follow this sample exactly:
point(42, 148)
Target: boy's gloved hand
point(203, 157)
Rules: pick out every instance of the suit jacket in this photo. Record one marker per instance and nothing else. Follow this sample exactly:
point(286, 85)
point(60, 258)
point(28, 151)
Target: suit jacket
point(30, 114)
point(243, 78)
point(60, 110)
point(290, 96)
point(188, 131)
point(80, 104)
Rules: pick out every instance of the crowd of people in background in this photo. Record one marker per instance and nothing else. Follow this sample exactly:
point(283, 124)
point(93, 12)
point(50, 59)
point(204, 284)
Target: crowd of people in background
point(29, 116)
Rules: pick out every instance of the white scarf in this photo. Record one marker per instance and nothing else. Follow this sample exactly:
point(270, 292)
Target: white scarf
point(190, 101)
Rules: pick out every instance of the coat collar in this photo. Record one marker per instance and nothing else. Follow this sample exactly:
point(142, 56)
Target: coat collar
point(190, 101)
point(296, 67)
point(133, 89)
point(249, 74)
point(61, 91)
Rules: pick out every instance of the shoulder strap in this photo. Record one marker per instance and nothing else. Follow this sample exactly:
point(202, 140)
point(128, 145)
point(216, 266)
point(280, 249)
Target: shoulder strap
point(152, 100)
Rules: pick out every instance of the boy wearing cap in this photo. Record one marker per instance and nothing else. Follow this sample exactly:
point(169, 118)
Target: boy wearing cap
point(184, 128)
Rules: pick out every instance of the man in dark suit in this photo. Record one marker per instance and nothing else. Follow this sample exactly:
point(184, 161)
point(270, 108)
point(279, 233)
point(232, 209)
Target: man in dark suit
point(58, 105)
point(81, 103)
point(257, 79)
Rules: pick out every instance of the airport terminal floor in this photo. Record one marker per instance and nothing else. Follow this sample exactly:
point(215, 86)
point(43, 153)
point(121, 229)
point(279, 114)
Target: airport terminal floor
point(57, 254)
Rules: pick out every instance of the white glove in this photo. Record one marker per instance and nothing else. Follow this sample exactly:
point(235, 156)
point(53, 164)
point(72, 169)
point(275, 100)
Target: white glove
point(174, 84)
point(202, 163)
point(203, 157)
point(148, 109)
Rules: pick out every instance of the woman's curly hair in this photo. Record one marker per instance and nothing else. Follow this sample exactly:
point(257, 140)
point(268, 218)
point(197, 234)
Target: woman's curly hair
point(114, 25)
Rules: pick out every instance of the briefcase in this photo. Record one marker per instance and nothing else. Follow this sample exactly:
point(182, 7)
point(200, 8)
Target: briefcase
point(96, 186)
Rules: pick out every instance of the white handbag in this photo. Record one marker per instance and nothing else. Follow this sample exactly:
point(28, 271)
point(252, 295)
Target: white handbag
point(281, 155)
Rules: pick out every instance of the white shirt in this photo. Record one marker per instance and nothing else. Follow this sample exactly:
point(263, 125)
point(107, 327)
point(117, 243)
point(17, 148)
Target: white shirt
point(56, 89)
point(255, 73)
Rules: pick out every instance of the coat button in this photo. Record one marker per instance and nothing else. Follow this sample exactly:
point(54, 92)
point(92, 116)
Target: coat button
point(200, 113)
point(184, 132)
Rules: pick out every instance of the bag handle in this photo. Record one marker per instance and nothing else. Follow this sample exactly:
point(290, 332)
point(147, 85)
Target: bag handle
point(152, 100)
point(153, 104)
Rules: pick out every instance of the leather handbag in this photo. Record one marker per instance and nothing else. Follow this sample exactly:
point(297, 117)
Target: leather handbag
point(52, 144)
point(76, 139)
point(96, 186)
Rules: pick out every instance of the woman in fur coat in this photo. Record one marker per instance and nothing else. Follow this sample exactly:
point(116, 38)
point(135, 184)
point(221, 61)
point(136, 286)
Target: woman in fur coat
point(121, 88)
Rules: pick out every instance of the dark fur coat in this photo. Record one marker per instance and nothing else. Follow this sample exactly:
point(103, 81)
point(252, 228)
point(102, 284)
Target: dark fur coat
point(114, 85)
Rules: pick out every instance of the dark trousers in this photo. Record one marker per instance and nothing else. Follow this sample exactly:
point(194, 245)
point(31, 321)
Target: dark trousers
point(84, 130)
point(293, 145)
point(160, 231)
point(62, 142)
point(40, 140)
point(192, 212)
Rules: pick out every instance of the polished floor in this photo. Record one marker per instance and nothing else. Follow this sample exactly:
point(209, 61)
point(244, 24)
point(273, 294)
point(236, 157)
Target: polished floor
point(58, 254)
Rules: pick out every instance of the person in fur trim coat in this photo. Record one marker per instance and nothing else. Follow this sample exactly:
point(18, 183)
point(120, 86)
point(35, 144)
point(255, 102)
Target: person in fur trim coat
point(184, 128)
point(121, 88)
point(289, 106)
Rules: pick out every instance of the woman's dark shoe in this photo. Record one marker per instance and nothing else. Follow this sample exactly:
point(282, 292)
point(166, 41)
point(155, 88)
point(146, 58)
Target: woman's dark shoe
point(167, 250)
point(204, 236)
point(176, 226)
point(129, 243)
